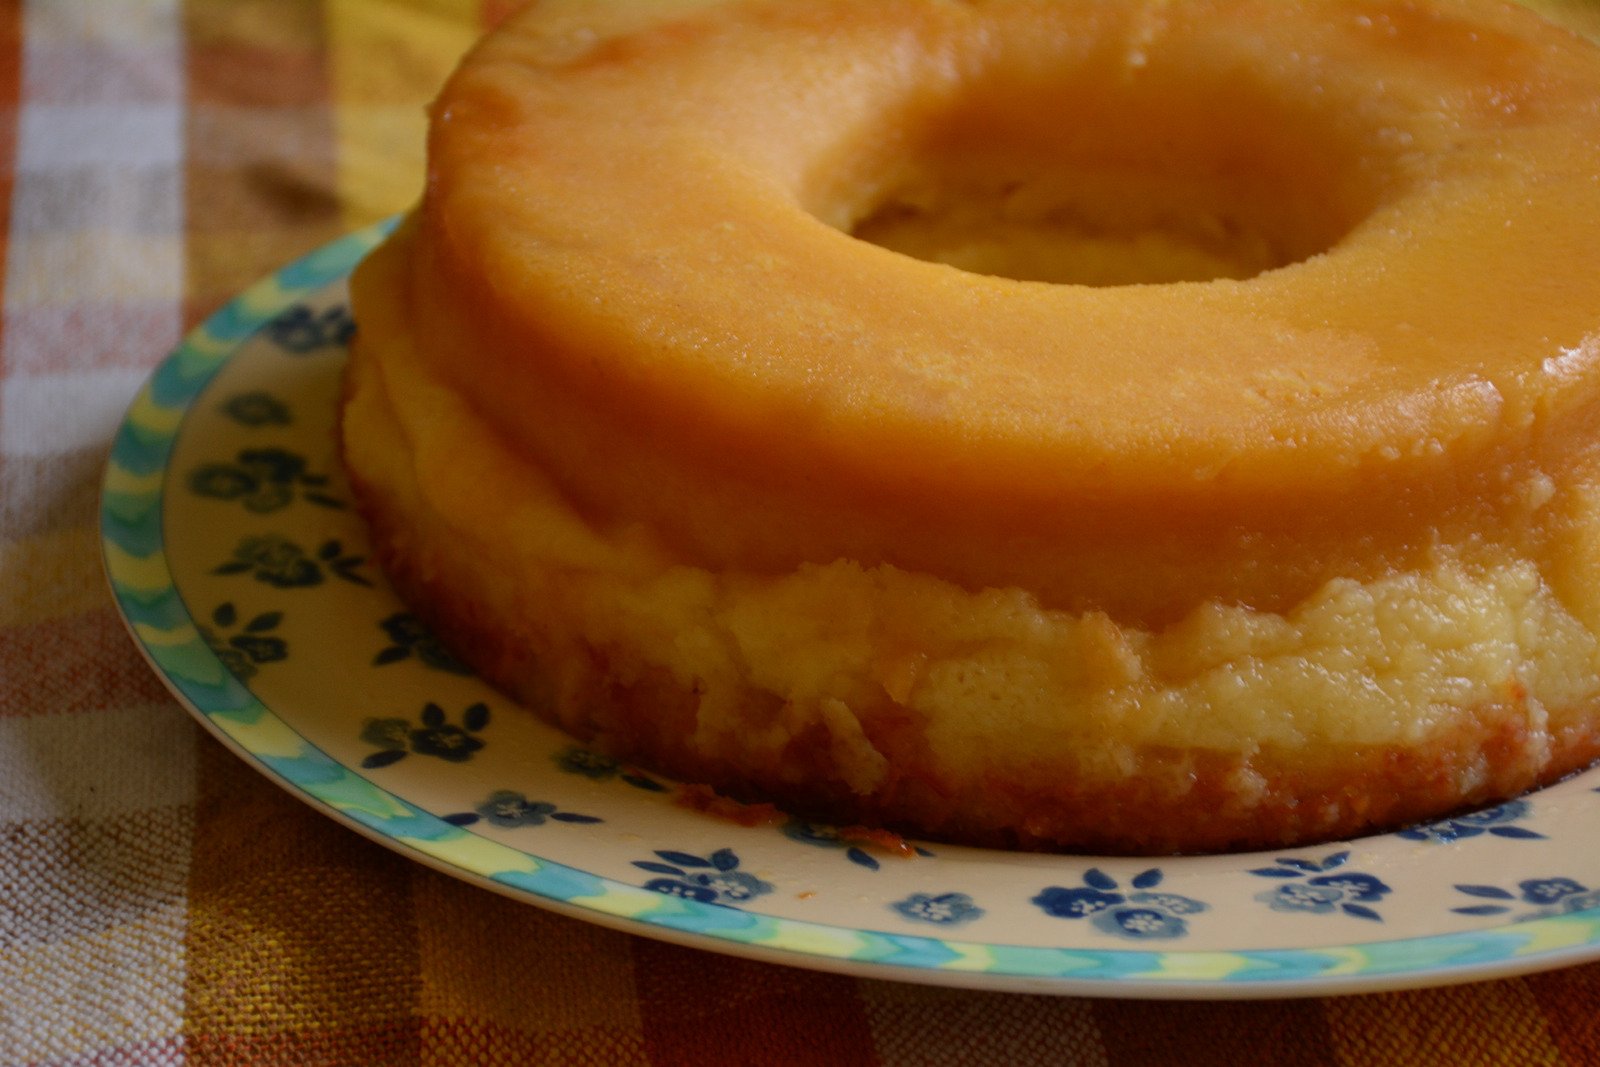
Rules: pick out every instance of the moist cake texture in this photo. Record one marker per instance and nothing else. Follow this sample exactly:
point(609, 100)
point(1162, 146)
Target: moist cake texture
point(1026, 422)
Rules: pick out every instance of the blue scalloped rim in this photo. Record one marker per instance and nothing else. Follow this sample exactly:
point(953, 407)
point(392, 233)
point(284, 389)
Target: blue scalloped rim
point(134, 550)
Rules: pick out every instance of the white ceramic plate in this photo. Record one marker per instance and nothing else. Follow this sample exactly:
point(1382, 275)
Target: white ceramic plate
point(245, 578)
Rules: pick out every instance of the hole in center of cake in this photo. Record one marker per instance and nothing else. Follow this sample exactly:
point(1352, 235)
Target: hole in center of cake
point(1039, 231)
point(1107, 178)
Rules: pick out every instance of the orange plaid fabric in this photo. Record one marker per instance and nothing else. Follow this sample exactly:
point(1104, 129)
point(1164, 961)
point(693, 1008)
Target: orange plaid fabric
point(162, 903)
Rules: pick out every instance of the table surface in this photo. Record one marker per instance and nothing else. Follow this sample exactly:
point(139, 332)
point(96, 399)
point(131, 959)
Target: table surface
point(160, 901)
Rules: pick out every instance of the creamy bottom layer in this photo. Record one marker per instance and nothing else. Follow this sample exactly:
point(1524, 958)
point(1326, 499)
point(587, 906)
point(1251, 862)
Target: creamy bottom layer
point(879, 695)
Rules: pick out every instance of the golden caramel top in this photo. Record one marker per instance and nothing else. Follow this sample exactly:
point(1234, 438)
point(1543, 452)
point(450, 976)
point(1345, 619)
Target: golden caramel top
point(766, 277)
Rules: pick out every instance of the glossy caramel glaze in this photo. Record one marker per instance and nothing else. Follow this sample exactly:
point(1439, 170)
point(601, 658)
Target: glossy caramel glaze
point(799, 396)
point(633, 254)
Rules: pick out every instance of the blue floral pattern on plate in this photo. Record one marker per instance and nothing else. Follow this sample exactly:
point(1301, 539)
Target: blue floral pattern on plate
point(822, 835)
point(941, 909)
point(263, 480)
point(302, 330)
point(279, 562)
point(1311, 886)
point(243, 645)
point(1549, 897)
point(709, 879)
point(410, 638)
point(257, 408)
point(1135, 912)
point(507, 809)
point(586, 763)
point(433, 735)
point(1496, 821)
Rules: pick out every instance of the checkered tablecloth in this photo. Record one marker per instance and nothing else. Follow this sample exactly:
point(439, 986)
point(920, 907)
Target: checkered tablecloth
point(161, 902)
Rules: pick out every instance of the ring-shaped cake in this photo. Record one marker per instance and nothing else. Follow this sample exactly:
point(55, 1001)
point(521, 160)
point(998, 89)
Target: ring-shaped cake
point(1047, 423)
